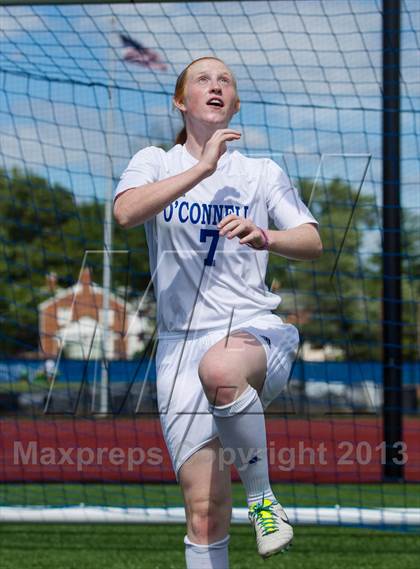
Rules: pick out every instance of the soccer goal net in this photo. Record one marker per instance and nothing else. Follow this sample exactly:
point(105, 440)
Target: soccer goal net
point(83, 87)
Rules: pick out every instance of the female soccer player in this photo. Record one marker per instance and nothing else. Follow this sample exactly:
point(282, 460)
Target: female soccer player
point(223, 355)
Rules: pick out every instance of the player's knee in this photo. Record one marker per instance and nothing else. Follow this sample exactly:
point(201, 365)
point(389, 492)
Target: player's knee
point(221, 383)
point(208, 521)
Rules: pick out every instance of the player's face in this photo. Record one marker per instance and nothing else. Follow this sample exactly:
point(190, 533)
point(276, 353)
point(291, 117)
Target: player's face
point(210, 93)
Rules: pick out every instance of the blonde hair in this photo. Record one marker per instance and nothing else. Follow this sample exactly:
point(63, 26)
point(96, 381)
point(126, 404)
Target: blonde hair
point(181, 81)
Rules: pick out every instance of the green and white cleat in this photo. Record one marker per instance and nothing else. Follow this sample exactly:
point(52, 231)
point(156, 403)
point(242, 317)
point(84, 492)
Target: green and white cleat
point(273, 530)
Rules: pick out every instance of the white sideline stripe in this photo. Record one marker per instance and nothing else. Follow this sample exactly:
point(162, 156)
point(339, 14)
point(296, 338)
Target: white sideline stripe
point(95, 514)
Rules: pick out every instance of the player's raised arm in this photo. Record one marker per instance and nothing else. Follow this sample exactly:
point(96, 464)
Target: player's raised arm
point(138, 204)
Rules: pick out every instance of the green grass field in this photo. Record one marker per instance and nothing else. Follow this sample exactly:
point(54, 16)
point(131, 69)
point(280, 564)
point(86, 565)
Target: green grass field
point(142, 495)
point(160, 547)
point(37, 546)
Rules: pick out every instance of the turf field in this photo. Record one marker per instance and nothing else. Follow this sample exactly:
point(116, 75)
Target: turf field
point(56, 546)
point(143, 495)
point(151, 547)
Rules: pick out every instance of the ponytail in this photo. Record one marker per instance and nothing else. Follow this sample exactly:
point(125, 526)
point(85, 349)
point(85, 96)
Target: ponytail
point(181, 137)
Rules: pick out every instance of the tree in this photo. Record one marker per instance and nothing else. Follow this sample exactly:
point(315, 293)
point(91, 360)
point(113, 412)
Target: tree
point(43, 229)
point(336, 297)
point(410, 282)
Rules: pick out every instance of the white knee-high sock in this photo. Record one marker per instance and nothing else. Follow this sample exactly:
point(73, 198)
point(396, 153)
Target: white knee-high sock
point(241, 426)
point(212, 556)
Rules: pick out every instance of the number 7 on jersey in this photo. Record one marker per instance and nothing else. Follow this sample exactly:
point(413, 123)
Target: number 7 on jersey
point(214, 234)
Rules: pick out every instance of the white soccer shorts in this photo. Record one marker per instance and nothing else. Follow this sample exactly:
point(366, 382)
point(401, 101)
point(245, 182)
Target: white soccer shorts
point(186, 421)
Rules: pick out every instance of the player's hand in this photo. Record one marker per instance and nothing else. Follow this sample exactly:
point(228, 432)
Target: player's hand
point(216, 146)
point(249, 234)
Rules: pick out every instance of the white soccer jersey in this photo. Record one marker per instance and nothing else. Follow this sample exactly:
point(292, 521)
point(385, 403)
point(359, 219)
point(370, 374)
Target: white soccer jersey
point(203, 281)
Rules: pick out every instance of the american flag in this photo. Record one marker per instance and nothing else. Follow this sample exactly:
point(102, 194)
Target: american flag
point(136, 53)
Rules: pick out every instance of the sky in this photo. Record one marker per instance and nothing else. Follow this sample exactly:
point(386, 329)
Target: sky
point(308, 72)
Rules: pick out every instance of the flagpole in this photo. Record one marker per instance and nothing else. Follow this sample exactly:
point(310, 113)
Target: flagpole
point(107, 238)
